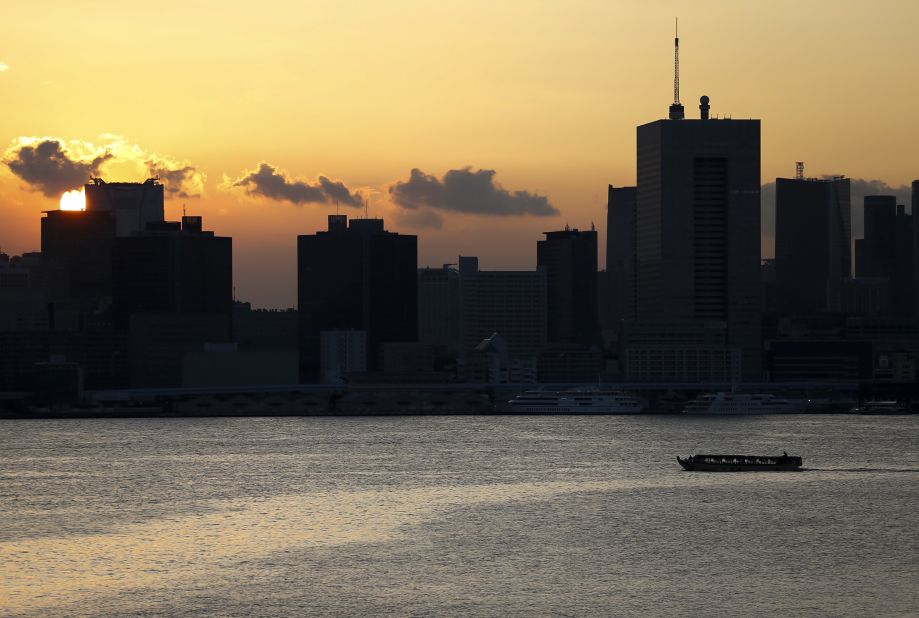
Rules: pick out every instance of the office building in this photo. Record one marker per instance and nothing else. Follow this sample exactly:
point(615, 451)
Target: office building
point(509, 303)
point(620, 255)
point(341, 353)
point(812, 241)
point(439, 307)
point(569, 258)
point(173, 269)
point(355, 276)
point(886, 251)
point(76, 250)
point(698, 226)
point(133, 205)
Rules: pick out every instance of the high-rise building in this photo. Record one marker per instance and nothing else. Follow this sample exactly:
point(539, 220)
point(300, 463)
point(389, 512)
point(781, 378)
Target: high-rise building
point(886, 251)
point(76, 249)
point(698, 226)
point(812, 241)
point(355, 277)
point(438, 307)
point(876, 254)
point(569, 258)
point(173, 268)
point(132, 204)
point(509, 303)
point(620, 254)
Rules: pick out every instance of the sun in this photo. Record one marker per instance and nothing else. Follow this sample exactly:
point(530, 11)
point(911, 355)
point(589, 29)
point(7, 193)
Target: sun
point(74, 200)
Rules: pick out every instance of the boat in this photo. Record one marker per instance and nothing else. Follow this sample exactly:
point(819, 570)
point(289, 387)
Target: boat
point(575, 401)
point(882, 408)
point(741, 463)
point(738, 403)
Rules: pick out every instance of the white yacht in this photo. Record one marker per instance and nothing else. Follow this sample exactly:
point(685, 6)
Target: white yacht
point(575, 401)
point(738, 403)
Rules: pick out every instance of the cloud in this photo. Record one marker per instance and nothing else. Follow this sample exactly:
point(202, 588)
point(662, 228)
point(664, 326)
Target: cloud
point(859, 189)
point(49, 166)
point(269, 181)
point(465, 190)
point(179, 180)
point(53, 165)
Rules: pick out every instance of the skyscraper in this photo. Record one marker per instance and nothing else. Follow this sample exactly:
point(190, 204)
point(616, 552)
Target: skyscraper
point(698, 226)
point(173, 269)
point(812, 241)
point(569, 258)
point(620, 253)
point(355, 277)
point(76, 251)
point(877, 254)
point(132, 204)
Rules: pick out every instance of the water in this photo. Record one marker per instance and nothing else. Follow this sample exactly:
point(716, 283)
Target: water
point(485, 516)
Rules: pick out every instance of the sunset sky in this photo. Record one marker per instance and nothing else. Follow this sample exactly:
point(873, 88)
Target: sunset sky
point(259, 115)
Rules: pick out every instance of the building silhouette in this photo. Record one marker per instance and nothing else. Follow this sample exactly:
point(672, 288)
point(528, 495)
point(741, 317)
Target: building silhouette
point(509, 303)
point(76, 252)
point(173, 269)
point(698, 226)
point(812, 241)
point(886, 251)
point(569, 258)
point(355, 276)
point(620, 254)
point(132, 204)
point(439, 307)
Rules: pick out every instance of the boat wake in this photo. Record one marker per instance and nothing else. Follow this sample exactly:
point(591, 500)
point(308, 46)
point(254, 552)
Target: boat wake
point(860, 470)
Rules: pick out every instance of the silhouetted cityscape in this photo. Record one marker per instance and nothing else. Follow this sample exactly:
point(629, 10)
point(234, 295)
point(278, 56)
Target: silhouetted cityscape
point(123, 308)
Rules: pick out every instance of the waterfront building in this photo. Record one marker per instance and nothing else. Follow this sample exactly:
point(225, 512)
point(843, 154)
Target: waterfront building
point(685, 351)
point(569, 258)
point(620, 256)
point(355, 276)
point(439, 307)
point(697, 238)
point(175, 269)
point(76, 250)
point(812, 240)
point(509, 303)
point(341, 353)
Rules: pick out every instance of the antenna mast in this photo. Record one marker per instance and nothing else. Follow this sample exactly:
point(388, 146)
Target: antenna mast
point(676, 110)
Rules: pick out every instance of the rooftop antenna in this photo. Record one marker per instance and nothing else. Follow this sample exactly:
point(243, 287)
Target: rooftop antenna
point(183, 210)
point(366, 207)
point(676, 110)
point(799, 170)
point(336, 208)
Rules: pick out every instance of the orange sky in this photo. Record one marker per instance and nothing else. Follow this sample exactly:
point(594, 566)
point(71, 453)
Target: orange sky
point(547, 94)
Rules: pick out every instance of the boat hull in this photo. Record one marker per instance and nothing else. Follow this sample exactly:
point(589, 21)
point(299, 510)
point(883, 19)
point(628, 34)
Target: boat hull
point(694, 466)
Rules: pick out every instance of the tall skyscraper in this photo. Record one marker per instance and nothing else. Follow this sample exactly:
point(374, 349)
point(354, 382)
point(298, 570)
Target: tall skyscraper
point(355, 277)
point(76, 251)
point(132, 204)
point(812, 241)
point(877, 254)
point(698, 226)
point(173, 269)
point(569, 258)
point(620, 253)
point(439, 307)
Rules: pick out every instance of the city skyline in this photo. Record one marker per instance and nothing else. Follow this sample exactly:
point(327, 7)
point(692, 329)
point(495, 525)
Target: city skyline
point(558, 125)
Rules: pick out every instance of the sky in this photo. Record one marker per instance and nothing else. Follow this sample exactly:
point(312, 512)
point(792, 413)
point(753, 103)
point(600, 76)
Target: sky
point(476, 125)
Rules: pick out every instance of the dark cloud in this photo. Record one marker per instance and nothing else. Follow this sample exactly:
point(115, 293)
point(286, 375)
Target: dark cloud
point(48, 166)
point(859, 189)
point(268, 181)
point(465, 190)
point(179, 180)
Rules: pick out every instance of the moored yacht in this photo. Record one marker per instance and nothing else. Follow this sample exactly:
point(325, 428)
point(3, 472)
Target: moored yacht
point(575, 401)
point(738, 403)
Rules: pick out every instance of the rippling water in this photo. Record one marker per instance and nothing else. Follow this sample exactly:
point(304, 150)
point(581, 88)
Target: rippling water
point(456, 516)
